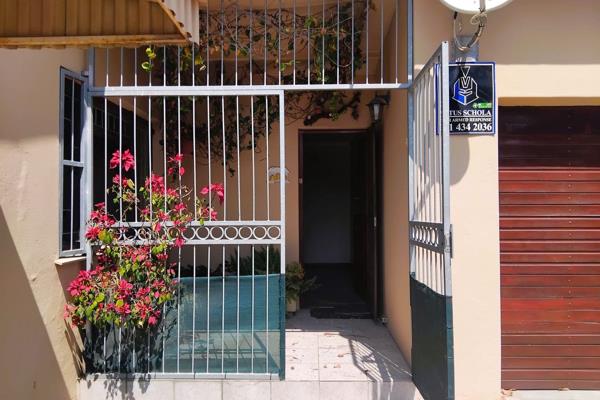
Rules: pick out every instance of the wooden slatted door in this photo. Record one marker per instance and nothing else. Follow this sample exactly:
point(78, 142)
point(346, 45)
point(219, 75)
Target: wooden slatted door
point(550, 247)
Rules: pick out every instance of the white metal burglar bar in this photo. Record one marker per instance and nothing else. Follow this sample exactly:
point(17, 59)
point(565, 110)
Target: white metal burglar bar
point(291, 45)
point(220, 102)
point(228, 318)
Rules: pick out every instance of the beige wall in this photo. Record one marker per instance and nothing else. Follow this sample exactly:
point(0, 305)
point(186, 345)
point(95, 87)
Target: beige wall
point(545, 54)
point(35, 343)
point(395, 202)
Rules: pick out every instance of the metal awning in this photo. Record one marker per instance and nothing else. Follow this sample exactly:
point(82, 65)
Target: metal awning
point(100, 23)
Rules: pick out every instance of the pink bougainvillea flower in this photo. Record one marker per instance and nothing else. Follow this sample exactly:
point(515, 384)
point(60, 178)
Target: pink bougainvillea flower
point(117, 180)
point(220, 191)
point(176, 161)
point(126, 159)
point(115, 160)
point(125, 287)
point(92, 233)
point(156, 183)
point(177, 158)
point(131, 281)
point(179, 241)
point(216, 188)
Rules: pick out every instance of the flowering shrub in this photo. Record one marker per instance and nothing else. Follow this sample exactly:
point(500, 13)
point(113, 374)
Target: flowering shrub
point(132, 279)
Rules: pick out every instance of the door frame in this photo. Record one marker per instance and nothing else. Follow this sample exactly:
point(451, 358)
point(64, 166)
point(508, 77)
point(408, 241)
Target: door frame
point(375, 148)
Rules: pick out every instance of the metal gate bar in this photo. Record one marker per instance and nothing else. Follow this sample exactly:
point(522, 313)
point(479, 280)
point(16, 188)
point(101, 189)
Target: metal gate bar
point(429, 175)
point(430, 230)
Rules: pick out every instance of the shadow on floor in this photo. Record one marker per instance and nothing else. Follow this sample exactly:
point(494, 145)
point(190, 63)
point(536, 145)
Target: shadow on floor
point(347, 350)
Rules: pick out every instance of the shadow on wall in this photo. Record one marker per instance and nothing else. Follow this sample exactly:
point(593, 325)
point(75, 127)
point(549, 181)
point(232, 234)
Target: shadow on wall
point(460, 155)
point(28, 364)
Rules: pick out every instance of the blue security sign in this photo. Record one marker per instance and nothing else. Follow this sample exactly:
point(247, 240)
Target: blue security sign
point(473, 105)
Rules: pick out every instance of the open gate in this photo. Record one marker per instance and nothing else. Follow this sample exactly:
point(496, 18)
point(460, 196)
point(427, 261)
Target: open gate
point(430, 230)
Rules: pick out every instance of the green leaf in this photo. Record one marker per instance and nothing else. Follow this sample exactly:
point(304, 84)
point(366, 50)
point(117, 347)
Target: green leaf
point(150, 53)
point(105, 236)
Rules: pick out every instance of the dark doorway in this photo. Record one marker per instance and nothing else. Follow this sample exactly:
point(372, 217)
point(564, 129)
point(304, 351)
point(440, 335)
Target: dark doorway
point(337, 229)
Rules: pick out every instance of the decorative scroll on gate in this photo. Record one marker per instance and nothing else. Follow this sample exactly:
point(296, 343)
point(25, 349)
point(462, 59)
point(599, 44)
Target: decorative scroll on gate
point(429, 230)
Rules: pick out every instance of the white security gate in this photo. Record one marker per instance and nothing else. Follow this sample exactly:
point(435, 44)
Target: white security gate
point(429, 229)
point(220, 103)
point(229, 317)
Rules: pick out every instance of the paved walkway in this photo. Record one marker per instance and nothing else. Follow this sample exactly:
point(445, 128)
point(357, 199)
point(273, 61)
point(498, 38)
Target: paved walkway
point(358, 352)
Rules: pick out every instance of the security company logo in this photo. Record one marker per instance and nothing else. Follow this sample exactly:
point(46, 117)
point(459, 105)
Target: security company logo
point(472, 98)
point(465, 88)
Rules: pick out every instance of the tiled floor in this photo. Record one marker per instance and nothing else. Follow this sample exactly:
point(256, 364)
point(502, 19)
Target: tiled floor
point(357, 350)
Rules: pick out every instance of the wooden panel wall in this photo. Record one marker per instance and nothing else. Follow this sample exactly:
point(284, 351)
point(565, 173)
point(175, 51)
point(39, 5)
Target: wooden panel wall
point(71, 20)
point(550, 247)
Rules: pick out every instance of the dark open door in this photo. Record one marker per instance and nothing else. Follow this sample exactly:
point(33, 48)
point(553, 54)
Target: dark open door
point(429, 230)
point(365, 227)
point(338, 198)
point(374, 190)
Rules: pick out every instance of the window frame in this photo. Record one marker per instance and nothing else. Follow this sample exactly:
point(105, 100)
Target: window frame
point(70, 162)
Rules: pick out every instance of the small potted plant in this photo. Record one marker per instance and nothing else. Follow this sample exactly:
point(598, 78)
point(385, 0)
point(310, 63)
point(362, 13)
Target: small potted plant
point(295, 285)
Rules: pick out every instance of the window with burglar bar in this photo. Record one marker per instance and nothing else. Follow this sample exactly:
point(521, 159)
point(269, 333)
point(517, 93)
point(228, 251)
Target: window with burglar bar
point(72, 165)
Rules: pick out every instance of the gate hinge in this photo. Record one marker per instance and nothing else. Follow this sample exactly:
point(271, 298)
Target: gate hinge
point(450, 242)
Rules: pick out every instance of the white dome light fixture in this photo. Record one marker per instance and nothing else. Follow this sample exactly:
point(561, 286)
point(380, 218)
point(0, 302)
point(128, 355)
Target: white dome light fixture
point(478, 9)
point(474, 6)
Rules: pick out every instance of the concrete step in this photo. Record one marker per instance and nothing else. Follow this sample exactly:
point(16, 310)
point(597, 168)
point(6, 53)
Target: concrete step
point(200, 389)
point(337, 359)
